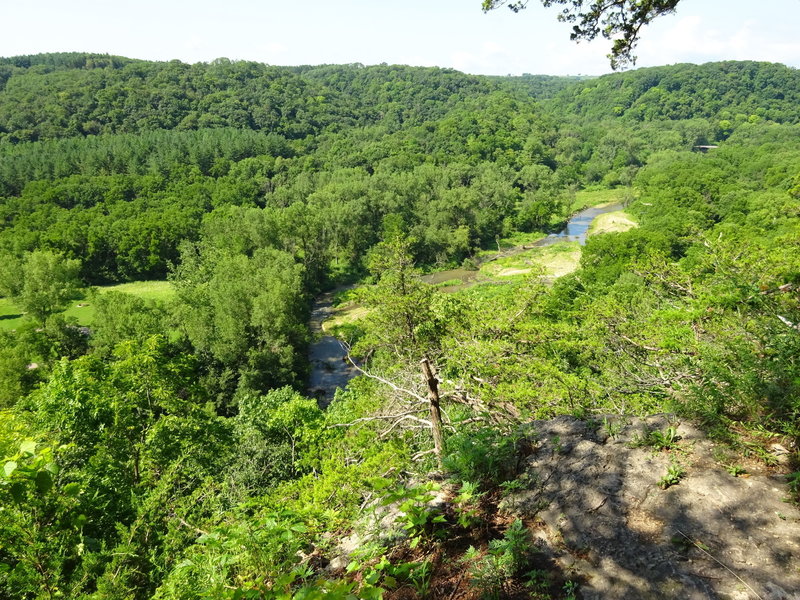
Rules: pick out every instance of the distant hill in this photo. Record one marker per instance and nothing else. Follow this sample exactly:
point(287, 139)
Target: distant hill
point(542, 86)
point(50, 96)
point(727, 90)
point(53, 96)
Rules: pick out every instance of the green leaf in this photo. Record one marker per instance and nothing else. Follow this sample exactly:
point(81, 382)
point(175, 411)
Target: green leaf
point(51, 468)
point(80, 520)
point(354, 565)
point(18, 492)
point(44, 481)
point(381, 483)
point(371, 593)
point(372, 578)
point(10, 467)
point(72, 489)
point(28, 447)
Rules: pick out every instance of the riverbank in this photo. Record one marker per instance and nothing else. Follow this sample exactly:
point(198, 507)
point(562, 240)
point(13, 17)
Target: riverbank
point(613, 222)
point(550, 256)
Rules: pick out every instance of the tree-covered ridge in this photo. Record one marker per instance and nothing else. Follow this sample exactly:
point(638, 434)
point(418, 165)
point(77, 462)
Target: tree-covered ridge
point(66, 60)
point(730, 90)
point(540, 86)
point(60, 96)
point(394, 95)
point(67, 95)
point(142, 96)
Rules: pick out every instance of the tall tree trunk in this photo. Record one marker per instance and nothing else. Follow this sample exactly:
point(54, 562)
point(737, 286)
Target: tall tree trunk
point(436, 414)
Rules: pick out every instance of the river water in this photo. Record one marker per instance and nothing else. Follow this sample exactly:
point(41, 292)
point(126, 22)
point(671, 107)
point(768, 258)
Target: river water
point(329, 366)
point(576, 230)
point(330, 369)
point(578, 226)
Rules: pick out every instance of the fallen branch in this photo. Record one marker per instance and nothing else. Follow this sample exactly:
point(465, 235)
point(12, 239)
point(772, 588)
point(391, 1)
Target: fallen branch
point(419, 455)
point(786, 321)
point(192, 527)
point(786, 287)
point(426, 424)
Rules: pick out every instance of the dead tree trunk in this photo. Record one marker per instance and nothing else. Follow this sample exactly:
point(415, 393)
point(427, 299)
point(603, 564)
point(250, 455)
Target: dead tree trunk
point(436, 414)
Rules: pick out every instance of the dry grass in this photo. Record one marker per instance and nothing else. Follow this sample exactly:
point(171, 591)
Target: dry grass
point(612, 222)
point(552, 261)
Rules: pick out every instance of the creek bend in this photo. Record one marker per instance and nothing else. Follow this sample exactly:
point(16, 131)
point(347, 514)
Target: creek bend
point(329, 366)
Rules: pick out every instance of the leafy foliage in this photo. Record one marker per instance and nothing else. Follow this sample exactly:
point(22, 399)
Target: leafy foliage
point(40, 283)
point(675, 473)
point(506, 558)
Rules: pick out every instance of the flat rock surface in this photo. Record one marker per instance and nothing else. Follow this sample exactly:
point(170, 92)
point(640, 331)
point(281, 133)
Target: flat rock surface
point(605, 520)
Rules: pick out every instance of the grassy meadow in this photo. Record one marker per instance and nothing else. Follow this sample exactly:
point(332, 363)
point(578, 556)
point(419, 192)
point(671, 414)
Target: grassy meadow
point(81, 307)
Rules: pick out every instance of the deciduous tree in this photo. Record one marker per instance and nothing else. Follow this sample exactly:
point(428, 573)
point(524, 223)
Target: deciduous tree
point(41, 282)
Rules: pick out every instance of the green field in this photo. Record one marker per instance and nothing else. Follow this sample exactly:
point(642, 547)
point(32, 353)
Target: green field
point(81, 308)
point(10, 315)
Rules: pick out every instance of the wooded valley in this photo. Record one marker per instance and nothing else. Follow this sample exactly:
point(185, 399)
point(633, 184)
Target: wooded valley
point(166, 229)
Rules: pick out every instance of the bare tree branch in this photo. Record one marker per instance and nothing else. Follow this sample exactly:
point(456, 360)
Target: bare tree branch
point(383, 380)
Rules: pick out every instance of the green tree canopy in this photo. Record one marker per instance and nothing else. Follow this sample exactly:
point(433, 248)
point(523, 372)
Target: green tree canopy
point(41, 282)
point(243, 313)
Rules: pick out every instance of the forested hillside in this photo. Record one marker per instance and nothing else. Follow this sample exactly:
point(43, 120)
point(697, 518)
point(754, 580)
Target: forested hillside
point(163, 444)
point(733, 91)
point(67, 95)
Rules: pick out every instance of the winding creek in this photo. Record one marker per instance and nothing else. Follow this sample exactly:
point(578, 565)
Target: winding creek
point(578, 226)
point(576, 231)
point(329, 367)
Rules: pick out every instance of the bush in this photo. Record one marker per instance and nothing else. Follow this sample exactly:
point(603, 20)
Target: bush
point(488, 456)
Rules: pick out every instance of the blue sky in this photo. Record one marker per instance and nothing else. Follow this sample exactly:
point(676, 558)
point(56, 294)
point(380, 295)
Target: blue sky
point(446, 33)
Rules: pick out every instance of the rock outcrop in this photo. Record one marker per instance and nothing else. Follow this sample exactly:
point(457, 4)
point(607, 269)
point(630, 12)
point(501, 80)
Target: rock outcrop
point(593, 489)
